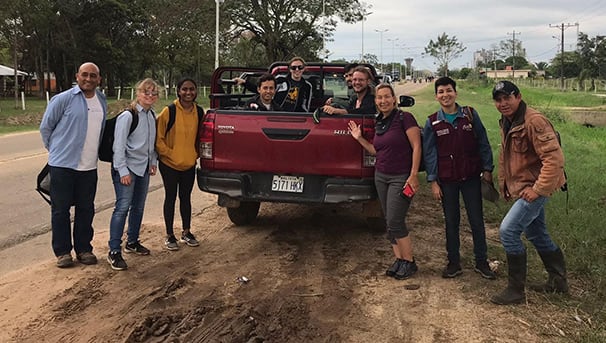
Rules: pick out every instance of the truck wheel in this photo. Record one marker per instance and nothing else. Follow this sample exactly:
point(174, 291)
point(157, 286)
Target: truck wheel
point(245, 214)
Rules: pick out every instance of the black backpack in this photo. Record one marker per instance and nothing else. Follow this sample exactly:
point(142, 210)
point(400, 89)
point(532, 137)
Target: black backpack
point(106, 151)
point(172, 113)
point(43, 183)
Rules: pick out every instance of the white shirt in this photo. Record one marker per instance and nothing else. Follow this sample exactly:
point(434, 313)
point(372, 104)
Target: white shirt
point(90, 151)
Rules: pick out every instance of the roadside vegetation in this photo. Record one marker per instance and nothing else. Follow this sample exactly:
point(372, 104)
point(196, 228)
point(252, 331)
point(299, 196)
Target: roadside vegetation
point(574, 219)
point(17, 120)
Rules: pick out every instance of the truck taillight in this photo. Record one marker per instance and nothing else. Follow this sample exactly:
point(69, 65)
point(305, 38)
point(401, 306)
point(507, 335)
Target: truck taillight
point(368, 131)
point(207, 131)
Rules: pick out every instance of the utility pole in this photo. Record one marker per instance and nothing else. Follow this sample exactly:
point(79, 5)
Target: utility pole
point(513, 46)
point(381, 44)
point(562, 27)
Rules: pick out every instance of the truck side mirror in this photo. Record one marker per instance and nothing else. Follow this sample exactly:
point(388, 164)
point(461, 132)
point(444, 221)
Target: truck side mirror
point(406, 101)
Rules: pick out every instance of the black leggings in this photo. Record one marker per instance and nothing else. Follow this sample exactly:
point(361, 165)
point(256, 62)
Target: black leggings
point(183, 181)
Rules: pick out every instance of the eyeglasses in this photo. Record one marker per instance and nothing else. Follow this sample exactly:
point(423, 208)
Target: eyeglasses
point(348, 74)
point(299, 67)
point(150, 93)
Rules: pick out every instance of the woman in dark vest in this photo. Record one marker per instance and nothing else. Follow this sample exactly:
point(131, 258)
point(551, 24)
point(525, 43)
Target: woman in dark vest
point(456, 152)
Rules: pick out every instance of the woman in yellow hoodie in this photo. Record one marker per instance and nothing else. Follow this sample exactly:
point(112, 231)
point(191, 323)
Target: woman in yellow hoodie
point(177, 154)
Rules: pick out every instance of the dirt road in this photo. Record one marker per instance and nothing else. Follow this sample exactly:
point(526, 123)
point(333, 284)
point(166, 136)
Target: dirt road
point(316, 274)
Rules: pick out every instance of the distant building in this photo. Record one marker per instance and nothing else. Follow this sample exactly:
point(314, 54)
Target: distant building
point(509, 73)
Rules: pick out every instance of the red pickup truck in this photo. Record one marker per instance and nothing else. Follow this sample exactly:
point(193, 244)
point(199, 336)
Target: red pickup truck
point(248, 157)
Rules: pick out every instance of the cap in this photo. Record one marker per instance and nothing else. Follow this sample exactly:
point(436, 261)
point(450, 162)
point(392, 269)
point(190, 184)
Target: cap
point(505, 87)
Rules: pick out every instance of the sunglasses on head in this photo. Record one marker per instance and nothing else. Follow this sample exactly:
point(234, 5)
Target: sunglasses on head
point(299, 67)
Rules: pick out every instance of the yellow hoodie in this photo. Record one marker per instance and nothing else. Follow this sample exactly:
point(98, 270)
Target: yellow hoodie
point(177, 148)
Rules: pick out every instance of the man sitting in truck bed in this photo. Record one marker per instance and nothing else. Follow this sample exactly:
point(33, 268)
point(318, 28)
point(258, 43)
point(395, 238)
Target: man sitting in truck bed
point(364, 100)
point(263, 101)
point(293, 92)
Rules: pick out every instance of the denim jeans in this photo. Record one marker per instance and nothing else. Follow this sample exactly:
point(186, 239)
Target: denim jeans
point(528, 218)
point(130, 200)
point(78, 188)
point(472, 197)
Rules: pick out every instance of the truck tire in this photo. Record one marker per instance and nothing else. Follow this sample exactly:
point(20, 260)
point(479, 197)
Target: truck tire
point(245, 214)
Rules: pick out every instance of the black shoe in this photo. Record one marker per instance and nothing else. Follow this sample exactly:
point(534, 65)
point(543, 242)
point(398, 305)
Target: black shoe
point(171, 243)
point(391, 271)
point(87, 257)
point(406, 270)
point(189, 239)
point(116, 261)
point(484, 269)
point(452, 270)
point(136, 248)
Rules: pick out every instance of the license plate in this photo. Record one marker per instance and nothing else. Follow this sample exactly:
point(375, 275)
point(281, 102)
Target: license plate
point(293, 184)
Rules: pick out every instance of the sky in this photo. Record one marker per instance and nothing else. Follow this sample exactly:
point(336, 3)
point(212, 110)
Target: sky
point(477, 24)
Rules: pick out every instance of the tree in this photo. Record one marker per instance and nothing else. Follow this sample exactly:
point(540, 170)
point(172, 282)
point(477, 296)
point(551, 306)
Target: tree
point(286, 28)
point(592, 55)
point(444, 50)
point(571, 68)
point(506, 48)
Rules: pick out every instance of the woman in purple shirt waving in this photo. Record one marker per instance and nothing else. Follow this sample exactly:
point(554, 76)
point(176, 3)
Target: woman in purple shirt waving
point(397, 147)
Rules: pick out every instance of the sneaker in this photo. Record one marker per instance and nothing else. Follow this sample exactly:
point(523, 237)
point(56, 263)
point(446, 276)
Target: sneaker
point(452, 270)
point(136, 248)
point(87, 257)
point(189, 239)
point(406, 270)
point(391, 271)
point(65, 261)
point(484, 269)
point(116, 261)
point(171, 243)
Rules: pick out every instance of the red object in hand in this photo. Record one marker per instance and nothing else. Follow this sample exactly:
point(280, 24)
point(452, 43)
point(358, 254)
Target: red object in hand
point(408, 191)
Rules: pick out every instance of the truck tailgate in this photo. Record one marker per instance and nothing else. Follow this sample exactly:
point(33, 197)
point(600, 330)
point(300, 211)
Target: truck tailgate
point(287, 143)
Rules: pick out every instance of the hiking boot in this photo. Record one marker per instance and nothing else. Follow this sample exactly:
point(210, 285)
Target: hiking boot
point(406, 269)
point(87, 257)
point(189, 239)
point(452, 270)
point(116, 261)
point(484, 269)
point(171, 243)
point(65, 261)
point(391, 271)
point(136, 248)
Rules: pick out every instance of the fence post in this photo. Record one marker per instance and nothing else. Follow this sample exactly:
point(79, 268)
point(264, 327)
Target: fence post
point(23, 100)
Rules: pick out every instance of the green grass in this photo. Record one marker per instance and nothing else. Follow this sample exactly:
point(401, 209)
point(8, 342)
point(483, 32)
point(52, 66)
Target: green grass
point(18, 120)
point(575, 224)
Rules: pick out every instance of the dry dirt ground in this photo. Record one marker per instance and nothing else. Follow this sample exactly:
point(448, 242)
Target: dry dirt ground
point(316, 275)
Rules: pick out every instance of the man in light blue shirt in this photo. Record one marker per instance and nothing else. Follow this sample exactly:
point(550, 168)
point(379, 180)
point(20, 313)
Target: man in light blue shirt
point(71, 131)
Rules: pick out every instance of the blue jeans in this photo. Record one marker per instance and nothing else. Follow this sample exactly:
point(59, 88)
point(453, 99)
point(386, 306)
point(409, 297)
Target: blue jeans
point(472, 197)
point(78, 188)
point(130, 200)
point(528, 218)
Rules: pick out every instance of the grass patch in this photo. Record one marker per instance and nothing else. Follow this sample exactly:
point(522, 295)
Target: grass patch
point(18, 120)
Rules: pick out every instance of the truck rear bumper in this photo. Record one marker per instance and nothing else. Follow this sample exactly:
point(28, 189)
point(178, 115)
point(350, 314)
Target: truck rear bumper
point(257, 187)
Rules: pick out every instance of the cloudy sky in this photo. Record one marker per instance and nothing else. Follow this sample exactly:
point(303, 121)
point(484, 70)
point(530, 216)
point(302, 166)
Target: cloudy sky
point(477, 24)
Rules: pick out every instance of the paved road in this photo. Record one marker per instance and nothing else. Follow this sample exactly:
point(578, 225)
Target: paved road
point(24, 214)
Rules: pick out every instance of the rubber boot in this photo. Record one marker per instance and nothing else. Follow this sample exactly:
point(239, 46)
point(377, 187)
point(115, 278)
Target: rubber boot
point(514, 293)
point(556, 269)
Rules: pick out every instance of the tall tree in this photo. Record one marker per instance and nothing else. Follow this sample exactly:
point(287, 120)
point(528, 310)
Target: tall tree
point(287, 28)
point(444, 50)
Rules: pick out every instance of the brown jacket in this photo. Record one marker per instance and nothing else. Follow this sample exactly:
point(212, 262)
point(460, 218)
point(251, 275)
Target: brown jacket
point(530, 155)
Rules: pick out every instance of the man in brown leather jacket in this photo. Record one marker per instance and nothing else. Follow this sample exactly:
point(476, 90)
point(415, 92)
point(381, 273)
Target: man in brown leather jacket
point(531, 168)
